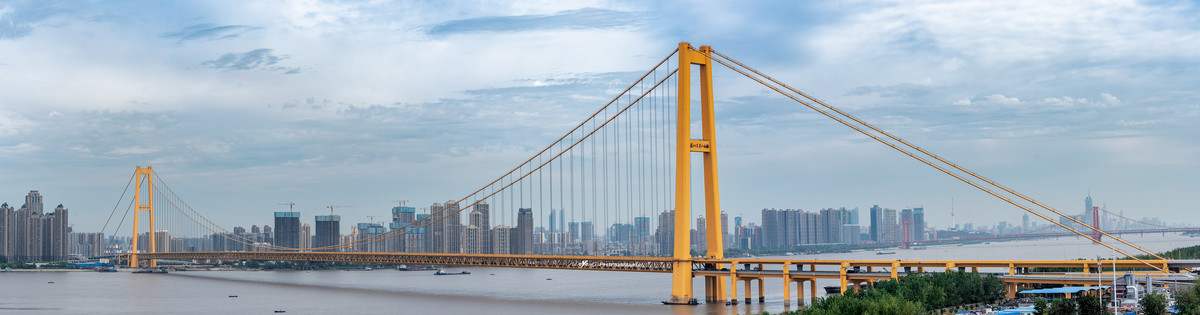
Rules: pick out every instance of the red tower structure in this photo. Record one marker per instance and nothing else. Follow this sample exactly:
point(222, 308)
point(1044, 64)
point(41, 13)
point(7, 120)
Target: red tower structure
point(1096, 224)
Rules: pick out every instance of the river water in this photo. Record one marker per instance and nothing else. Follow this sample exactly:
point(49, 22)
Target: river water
point(486, 290)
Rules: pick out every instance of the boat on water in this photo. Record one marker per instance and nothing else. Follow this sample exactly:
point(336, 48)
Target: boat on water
point(106, 269)
point(151, 271)
point(919, 248)
point(280, 311)
point(885, 253)
point(442, 272)
point(361, 269)
point(833, 289)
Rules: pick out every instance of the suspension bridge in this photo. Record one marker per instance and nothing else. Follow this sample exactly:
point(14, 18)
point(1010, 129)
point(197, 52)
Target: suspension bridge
point(629, 161)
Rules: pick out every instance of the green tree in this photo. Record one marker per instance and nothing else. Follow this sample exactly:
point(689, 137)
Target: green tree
point(1090, 305)
point(1154, 304)
point(3, 259)
point(1188, 301)
point(1062, 307)
point(1039, 306)
point(857, 302)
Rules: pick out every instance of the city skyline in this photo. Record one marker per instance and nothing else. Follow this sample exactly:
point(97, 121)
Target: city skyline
point(242, 107)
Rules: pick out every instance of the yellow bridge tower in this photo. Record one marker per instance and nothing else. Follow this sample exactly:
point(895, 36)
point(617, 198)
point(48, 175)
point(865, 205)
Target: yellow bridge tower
point(681, 284)
point(148, 206)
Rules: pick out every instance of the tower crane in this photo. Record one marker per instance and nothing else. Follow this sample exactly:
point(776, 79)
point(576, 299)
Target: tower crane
point(333, 206)
point(290, 205)
point(402, 202)
point(371, 218)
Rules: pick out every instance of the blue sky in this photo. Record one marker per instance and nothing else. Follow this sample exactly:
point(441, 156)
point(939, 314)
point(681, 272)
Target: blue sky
point(241, 106)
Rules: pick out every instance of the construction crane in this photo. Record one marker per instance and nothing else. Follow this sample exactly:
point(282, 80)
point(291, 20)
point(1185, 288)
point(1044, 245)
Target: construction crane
point(333, 206)
point(290, 205)
point(402, 202)
point(371, 218)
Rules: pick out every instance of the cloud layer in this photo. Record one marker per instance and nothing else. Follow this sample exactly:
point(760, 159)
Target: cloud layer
point(248, 105)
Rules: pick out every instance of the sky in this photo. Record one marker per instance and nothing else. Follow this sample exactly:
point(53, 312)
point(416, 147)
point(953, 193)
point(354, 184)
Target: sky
point(241, 106)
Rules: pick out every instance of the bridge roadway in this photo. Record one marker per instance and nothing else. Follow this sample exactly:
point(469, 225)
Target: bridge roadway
point(791, 271)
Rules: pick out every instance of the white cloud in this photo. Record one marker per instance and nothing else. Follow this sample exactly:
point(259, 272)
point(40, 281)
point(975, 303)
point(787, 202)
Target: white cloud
point(1137, 123)
point(134, 150)
point(1008, 31)
point(12, 123)
point(999, 100)
point(23, 147)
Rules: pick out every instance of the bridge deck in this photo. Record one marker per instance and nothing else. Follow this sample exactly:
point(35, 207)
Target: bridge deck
point(747, 266)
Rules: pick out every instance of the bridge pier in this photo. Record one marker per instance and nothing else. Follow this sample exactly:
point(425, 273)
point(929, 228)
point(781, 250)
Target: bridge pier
point(747, 283)
point(787, 284)
point(800, 292)
point(812, 289)
point(762, 288)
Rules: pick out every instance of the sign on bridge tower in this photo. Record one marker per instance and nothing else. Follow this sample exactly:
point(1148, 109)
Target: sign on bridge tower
point(681, 285)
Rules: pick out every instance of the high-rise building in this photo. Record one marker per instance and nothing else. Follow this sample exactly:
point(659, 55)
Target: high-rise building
point(891, 229)
point(28, 234)
point(664, 235)
point(287, 229)
point(328, 231)
point(28, 225)
point(738, 233)
point(588, 231)
point(472, 240)
point(621, 233)
point(725, 239)
point(501, 236)
point(162, 241)
point(480, 218)
point(7, 232)
point(642, 226)
point(54, 234)
point(699, 235)
point(306, 237)
point(522, 241)
point(573, 232)
point(830, 226)
point(403, 214)
point(435, 232)
point(1087, 209)
point(773, 228)
point(370, 238)
point(86, 244)
point(33, 201)
point(919, 224)
point(877, 232)
point(906, 224)
point(444, 236)
point(1025, 223)
point(414, 239)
